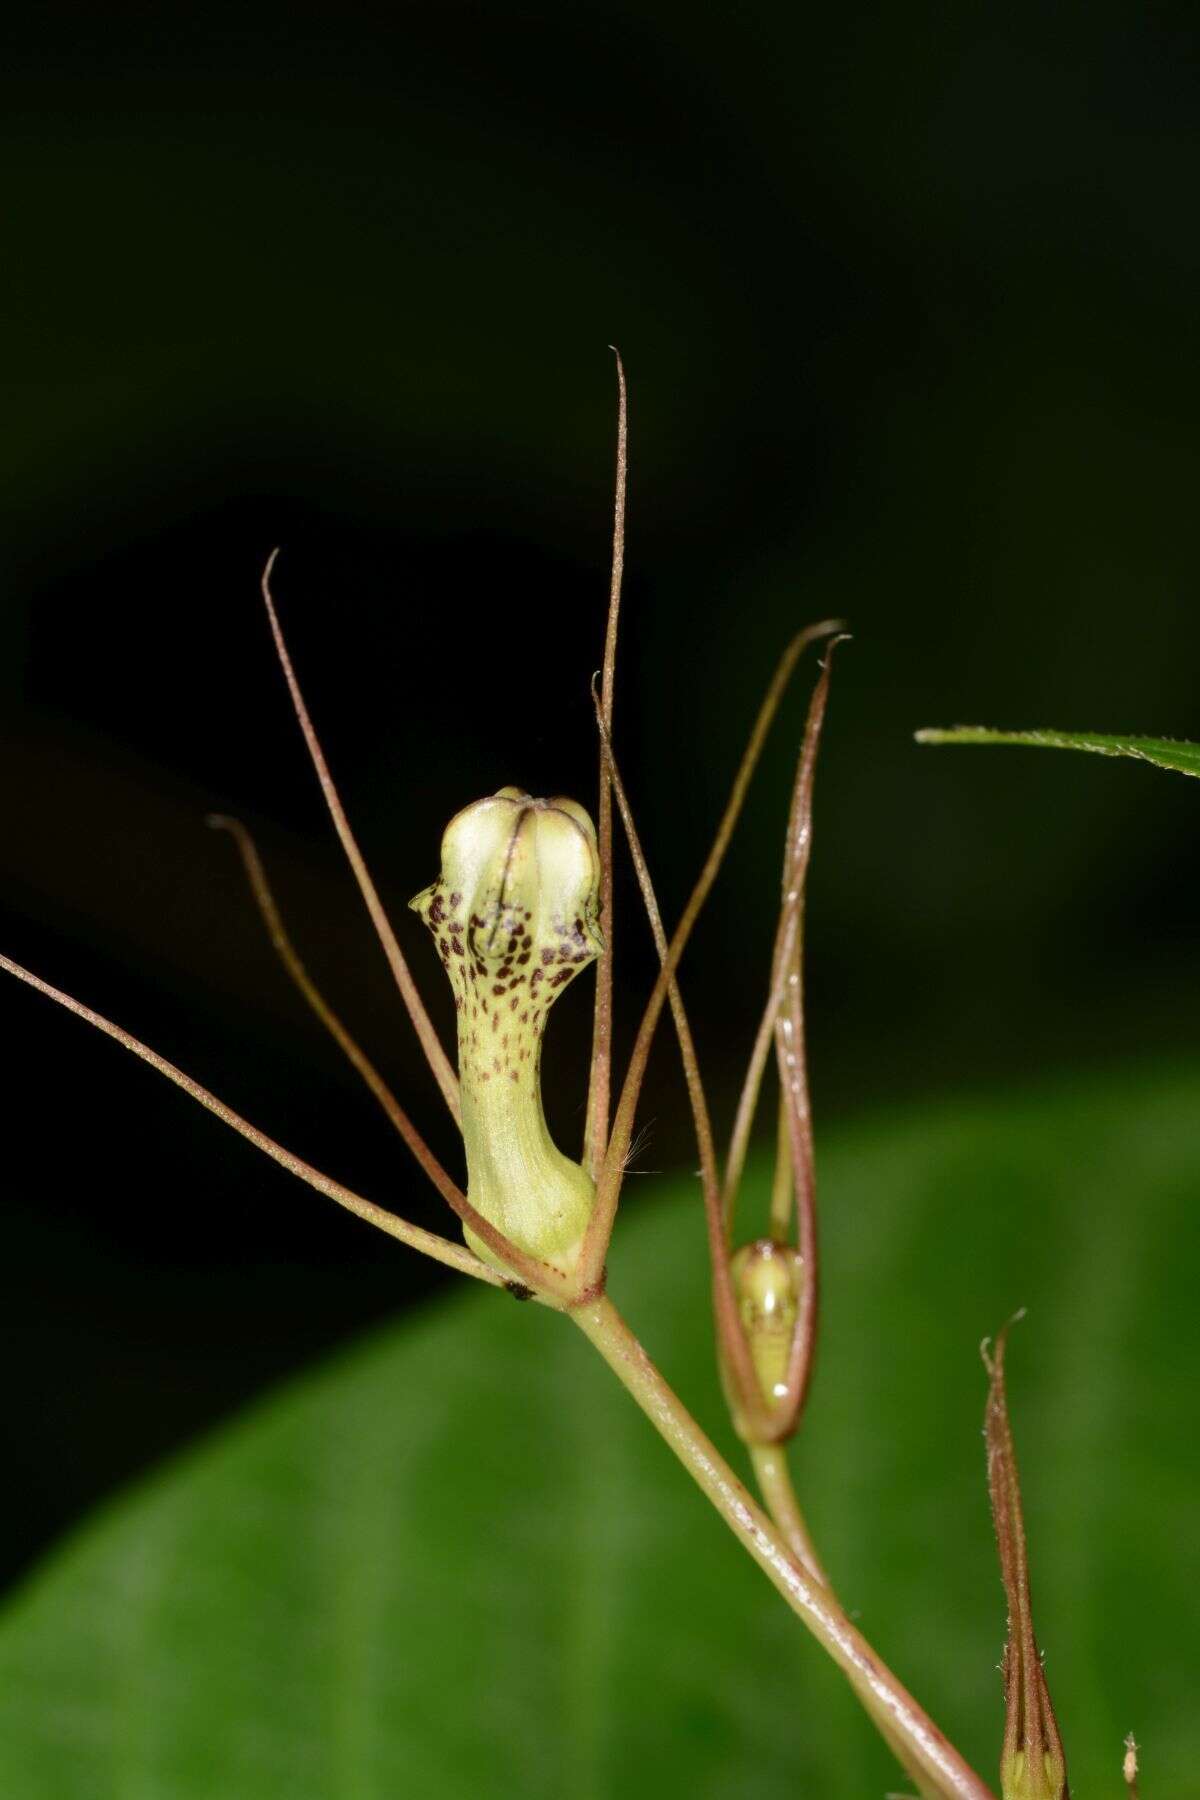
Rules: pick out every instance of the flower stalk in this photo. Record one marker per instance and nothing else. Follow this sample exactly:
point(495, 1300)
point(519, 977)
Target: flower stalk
point(942, 1769)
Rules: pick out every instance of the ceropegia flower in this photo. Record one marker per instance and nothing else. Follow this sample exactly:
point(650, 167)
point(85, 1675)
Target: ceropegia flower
point(513, 915)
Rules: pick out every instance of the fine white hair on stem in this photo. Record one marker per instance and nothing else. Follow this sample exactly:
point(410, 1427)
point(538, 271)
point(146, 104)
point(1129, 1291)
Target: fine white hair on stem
point(640, 1141)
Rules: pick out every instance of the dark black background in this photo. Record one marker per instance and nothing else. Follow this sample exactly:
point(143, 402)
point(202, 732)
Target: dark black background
point(907, 296)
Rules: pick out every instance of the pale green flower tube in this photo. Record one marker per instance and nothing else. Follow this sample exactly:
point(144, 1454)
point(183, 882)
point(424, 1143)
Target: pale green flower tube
point(514, 917)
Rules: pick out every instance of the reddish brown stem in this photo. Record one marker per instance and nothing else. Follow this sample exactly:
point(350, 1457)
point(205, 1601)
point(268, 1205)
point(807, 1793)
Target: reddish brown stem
point(730, 1333)
point(455, 1256)
point(791, 1059)
point(436, 1057)
point(264, 899)
point(609, 1182)
point(1031, 1728)
point(599, 1098)
point(537, 1275)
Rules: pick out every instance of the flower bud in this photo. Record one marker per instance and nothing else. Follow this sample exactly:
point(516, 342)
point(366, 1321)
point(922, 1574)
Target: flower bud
point(767, 1280)
point(1032, 1763)
point(514, 917)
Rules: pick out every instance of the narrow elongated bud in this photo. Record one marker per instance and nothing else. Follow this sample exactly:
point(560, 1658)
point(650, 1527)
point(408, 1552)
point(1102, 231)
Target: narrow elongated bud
point(513, 915)
point(1032, 1763)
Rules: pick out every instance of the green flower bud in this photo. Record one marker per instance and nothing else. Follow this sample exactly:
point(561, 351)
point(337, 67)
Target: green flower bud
point(767, 1280)
point(514, 917)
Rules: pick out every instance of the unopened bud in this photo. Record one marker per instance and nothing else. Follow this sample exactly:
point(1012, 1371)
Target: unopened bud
point(513, 915)
point(767, 1282)
point(1032, 1762)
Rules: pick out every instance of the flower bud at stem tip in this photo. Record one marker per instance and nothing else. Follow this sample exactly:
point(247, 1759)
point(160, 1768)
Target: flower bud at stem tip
point(513, 914)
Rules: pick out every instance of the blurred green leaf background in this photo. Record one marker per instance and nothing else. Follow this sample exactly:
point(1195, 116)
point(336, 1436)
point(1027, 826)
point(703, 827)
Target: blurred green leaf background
point(907, 301)
point(458, 1561)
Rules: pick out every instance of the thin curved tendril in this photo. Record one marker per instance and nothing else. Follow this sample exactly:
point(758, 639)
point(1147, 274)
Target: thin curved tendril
point(747, 1106)
point(730, 1333)
point(600, 1081)
point(785, 955)
point(436, 1057)
point(264, 899)
point(609, 1181)
point(792, 1062)
point(455, 1256)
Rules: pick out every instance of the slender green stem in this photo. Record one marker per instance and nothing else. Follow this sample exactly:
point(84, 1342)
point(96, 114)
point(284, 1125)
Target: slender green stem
point(774, 1479)
point(925, 1747)
point(782, 1184)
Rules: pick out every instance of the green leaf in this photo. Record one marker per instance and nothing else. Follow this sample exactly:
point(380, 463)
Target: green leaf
point(1164, 753)
point(456, 1562)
